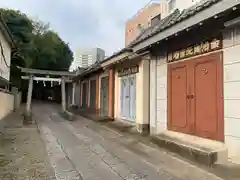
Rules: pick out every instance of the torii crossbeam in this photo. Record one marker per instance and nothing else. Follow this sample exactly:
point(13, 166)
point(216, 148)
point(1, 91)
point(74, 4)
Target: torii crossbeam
point(31, 75)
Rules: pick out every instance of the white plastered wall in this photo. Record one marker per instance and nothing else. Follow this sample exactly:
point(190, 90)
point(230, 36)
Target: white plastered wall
point(4, 69)
point(6, 104)
point(158, 94)
point(231, 57)
point(117, 96)
point(142, 92)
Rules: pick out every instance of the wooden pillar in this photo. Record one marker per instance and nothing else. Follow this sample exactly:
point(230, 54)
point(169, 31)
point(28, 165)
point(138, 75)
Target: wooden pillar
point(73, 93)
point(63, 95)
point(111, 94)
point(88, 93)
point(29, 95)
point(97, 94)
point(81, 88)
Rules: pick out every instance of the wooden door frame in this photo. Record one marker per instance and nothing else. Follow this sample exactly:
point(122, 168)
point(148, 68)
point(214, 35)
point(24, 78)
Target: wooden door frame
point(101, 95)
point(218, 57)
point(86, 97)
point(133, 76)
point(91, 102)
point(189, 129)
point(220, 100)
point(123, 95)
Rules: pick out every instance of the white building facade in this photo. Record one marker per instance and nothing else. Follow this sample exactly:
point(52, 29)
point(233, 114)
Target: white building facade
point(177, 4)
point(5, 54)
point(6, 44)
point(87, 56)
point(207, 109)
point(231, 81)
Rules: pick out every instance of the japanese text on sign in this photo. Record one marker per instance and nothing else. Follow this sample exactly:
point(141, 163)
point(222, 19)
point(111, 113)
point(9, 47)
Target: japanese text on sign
point(128, 71)
point(195, 50)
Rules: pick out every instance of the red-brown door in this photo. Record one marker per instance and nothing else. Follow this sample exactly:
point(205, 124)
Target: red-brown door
point(178, 104)
point(208, 97)
point(195, 97)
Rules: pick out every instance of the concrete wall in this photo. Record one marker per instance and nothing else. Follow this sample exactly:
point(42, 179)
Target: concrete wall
point(184, 4)
point(4, 70)
point(117, 97)
point(6, 104)
point(142, 93)
point(231, 58)
point(178, 4)
point(158, 95)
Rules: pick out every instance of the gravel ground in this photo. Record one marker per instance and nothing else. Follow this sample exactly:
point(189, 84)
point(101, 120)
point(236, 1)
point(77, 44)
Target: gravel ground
point(22, 152)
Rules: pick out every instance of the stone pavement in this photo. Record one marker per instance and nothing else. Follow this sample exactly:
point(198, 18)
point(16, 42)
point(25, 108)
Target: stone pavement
point(22, 152)
point(85, 150)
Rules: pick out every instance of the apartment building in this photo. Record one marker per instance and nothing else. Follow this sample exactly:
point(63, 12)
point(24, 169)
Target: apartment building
point(151, 14)
point(85, 57)
point(142, 20)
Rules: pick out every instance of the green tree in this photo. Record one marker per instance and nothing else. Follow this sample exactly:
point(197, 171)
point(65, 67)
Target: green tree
point(21, 28)
point(37, 46)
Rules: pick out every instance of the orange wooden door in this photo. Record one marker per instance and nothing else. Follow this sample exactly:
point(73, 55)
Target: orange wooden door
point(208, 97)
point(195, 97)
point(178, 104)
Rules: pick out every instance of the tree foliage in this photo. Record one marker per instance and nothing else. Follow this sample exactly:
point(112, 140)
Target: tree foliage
point(37, 46)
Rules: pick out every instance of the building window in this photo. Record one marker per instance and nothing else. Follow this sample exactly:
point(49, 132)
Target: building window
point(171, 5)
point(156, 19)
point(231, 36)
point(140, 27)
point(228, 39)
point(237, 35)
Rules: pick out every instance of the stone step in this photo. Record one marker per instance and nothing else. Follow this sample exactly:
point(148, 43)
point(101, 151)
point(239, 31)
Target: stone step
point(92, 116)
point(198, 149)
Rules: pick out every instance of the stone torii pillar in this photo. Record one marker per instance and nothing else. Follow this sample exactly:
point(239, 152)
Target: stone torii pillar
point(28, 113)
point(29, 95)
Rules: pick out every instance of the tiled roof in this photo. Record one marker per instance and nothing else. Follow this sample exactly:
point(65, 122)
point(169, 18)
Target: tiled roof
point(94, 67)
point(163, 24)
point(117, 53)
point(173, 19)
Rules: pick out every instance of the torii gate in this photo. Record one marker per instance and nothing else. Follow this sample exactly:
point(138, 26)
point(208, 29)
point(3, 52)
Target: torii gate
point(66, 77)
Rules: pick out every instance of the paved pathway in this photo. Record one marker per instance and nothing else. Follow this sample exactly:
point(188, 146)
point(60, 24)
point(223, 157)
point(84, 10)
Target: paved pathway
point(22, 152)
point(85, 150)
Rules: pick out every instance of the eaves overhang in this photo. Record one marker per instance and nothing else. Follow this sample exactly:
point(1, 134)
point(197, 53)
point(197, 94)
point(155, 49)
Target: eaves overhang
point(207, 13)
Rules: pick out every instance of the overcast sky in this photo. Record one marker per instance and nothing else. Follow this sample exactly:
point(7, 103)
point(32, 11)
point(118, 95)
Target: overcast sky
point(83, 23)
